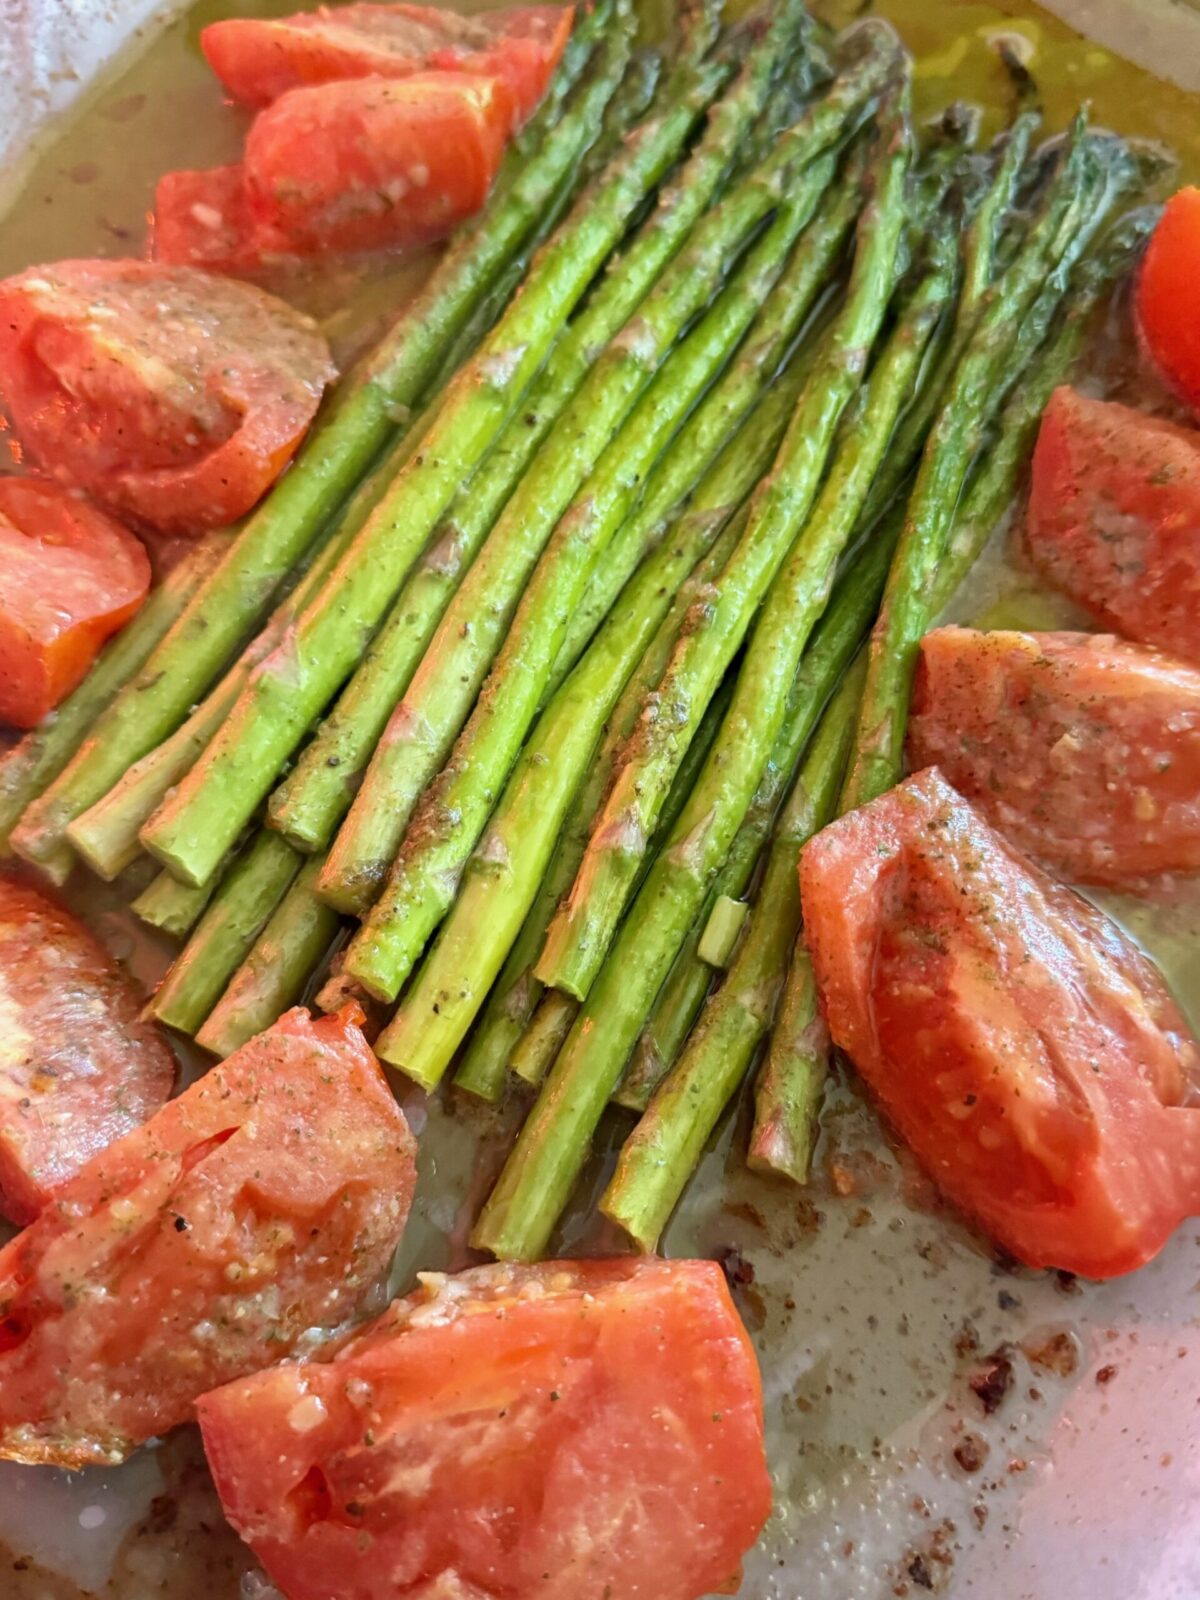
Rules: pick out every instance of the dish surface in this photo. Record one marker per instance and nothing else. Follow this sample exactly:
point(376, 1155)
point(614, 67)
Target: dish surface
point(870, 1306)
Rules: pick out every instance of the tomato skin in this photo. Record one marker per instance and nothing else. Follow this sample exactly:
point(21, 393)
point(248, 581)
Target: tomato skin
point(168, 394)
point(78, 1065)
point(560, 1432)
point(1114, 518)
point(1021, 1044)
point(258, 60)
point(1168, 295)
point(202, 219)
point(374, 163)
point(1082, 749)
point(72, 577)
point(260, 1205)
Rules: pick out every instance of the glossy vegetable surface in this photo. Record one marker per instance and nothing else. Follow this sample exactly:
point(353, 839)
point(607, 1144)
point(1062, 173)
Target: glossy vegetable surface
point(1081, 749)
point(1021, 1043)
point(568, 1431)
point(257, 59)
point(1114, 518)
point(258, 1209)
point(78, 1066)
point(1168, 296)
point(71, 577)
point(166, 393)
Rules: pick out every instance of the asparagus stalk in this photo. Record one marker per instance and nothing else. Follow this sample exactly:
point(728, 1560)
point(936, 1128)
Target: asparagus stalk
point(834, 642)
point(580, 934)
point(227, 606)
point(273, 976)
point(309, 805)
point(37, 759)
point(450, 819)
point(252, 888)
point(793, 1077)
point(661, 1153)
point(446, 685)
point(541, 1169)
point(173, 908)
point(516, 993)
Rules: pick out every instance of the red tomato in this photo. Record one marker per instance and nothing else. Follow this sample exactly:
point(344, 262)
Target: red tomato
point(375, 163)
point(568, 1431)
point(1168, 295)
point(257, 60)
point(71, 577)
point(1020, 1042)
point(202, 219)
point(1082, 749)
point(1114, 518)
point(258, 1210)
point(78, 1066)
point(165, 392)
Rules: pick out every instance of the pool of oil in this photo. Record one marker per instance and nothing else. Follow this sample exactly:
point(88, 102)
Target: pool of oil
point(871, 1306)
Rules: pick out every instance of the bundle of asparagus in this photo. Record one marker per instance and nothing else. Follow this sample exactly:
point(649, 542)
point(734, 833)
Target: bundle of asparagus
point(586, 605)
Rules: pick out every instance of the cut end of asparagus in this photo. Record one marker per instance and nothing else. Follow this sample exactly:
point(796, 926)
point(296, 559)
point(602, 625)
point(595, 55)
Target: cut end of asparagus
point(721, 931)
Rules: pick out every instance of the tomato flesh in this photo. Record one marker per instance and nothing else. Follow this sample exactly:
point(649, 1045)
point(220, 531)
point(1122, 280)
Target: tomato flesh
point(258, 1209)
point(1114, 518)
point(1081, 749)
point(78, 1065)
point(72, 577)
point(1023, 1046)
point(202, 219)
point(374, 163)
point(1168, 295)
point(567, 1431)
point(167, 393)
point(258, 60)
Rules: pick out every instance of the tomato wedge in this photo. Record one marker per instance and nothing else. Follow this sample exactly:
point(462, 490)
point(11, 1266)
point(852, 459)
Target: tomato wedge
point(202, 219)
point(167, 393)
point(1020, 1042)
point(375, 163)
point(71, 577)
point(258, 60)
point(258, 1210)
point(78, 1066)
point(1168, 295)
point(1114, 518)
point(567, 1431)
point(1082, 749)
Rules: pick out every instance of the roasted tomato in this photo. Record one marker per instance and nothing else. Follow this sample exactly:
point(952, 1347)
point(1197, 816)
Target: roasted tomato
point(202, 219)
point(1168, 295)
point(374, 163)
point(165, 392)
point(258, 1210)
point(1114, 518)
point(1020, 1042)
point(71, 577)
point(570, 1431)
point(1082, 749)
point(258, 60)
point(78, 1066)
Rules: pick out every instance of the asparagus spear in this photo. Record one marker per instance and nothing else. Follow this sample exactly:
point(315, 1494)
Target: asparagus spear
point(253, 887)
point(661, 1153)
point(170, 906)
point(272, 977)
point(551, 1022)
point(793, 1077)
point(37, 759)
point(227, 606)
point(308, 806)
point(448, 681)
point(541, 1169)
point(581, 933)
point(451, 816)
